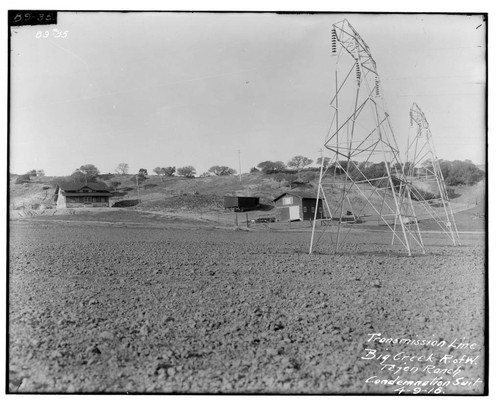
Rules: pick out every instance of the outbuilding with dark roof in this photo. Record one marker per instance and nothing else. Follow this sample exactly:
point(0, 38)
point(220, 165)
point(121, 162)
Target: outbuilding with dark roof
point(240, 204)
point(294, 206)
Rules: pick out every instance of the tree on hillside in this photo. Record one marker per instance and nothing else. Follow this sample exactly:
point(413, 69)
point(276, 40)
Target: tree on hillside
point(375, 171)
point(168, 171)
point(326, 161)
point(299, 162)
point(164, 171)
point(36, 172)
point(221, 170)
point(138, 179)
point(344, 166)
point(254, 170)
point(143, 172)
point(122, 168)
point(366, 165)
point(86, 173)
point(187, 171)
point(78, 176)
point(269, 167)
point(460, 172)
point(90, 169)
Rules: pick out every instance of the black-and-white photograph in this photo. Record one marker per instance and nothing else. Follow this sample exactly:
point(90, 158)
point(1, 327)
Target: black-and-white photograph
point(252, 202)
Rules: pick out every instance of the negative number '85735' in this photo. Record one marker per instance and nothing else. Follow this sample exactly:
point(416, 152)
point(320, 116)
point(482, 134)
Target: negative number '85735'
point(55, 33)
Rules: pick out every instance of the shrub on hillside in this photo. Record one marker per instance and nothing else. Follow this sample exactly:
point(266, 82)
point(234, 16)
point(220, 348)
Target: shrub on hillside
point(308, 176)
point(284, 176)
point(419, 194)
point(372, 171)
point(24, 178)
point(119, 193)
point(106, 176)
point(54, 181)
point(138, 178)
point(452, 193)
point(125, 204)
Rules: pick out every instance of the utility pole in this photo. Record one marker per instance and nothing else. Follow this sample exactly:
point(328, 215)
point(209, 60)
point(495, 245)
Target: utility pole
point(137, 183)
point(86, 172)
point(239, 162)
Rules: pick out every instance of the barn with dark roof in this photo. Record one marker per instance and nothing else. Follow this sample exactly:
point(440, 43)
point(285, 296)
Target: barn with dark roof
point(294, 206)
point(81, 195)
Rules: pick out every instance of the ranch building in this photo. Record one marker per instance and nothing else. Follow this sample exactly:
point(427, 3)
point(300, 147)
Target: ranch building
point(239, 204)
point(81, 195)
point(297, 206)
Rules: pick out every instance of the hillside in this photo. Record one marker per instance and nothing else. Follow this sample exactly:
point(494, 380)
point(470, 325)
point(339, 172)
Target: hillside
point(171, 194)
point(38, 194)
point(202, 198)
point(154, 189)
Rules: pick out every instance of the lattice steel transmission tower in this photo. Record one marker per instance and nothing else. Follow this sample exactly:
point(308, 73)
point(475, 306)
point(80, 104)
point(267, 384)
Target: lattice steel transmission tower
point(363, 180)
point(424, 174)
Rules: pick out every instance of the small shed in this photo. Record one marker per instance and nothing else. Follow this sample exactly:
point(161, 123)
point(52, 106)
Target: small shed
point(81, 195)
point(241, 203)
point(297, 206)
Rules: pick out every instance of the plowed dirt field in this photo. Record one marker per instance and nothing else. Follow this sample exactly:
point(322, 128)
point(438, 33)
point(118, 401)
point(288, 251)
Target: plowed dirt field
point(95, 308)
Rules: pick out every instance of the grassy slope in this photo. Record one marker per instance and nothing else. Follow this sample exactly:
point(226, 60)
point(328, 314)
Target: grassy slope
point(199, 198)
point(153, 188)
point(27, 195)
point(204, 196)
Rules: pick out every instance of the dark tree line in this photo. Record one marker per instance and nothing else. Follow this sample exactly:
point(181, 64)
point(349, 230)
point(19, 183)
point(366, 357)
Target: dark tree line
point(454, 172)
point(460, 172)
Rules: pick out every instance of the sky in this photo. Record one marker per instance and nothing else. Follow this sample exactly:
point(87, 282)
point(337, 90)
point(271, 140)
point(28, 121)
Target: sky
point(173, 89)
